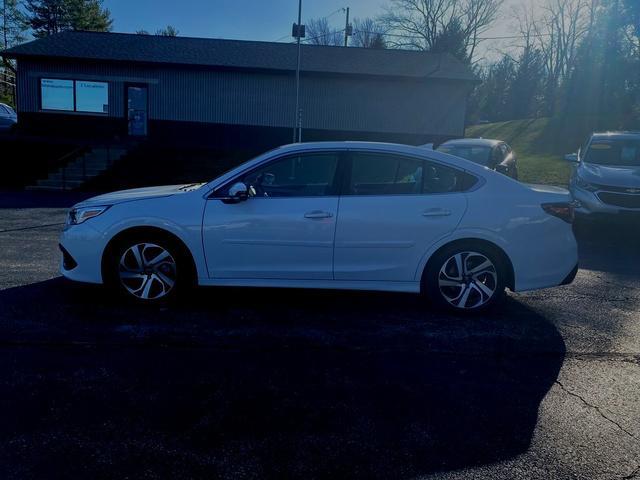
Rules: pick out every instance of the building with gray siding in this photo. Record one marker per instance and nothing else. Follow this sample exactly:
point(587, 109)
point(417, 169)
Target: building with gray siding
point(228, 91)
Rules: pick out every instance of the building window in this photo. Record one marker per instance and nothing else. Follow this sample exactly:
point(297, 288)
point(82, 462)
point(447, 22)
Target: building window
point(92, 97)
point(74, 95)
point(57, 94)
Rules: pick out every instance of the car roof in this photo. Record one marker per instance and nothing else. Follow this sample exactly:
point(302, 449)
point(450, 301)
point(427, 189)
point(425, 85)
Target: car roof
point(619, 135)
point(478, 142)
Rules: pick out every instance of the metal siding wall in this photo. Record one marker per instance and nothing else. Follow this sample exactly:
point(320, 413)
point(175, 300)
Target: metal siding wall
point(267, 99)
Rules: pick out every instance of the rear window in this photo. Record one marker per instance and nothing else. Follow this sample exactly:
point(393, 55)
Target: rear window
point(616, 152)
point(477, 154)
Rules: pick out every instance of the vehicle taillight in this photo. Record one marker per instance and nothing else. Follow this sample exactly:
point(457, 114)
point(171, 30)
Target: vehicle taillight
point(565, 211)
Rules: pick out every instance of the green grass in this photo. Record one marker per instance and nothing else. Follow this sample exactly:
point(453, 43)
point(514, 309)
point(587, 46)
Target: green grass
point(540, 160)
point(6, 99)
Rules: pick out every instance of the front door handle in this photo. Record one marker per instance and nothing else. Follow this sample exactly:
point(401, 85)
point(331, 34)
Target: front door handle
point(436, 212)
point(315, 214)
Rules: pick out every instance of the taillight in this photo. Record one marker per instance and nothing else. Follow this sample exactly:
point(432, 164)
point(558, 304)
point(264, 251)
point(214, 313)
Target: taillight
point(565, 211)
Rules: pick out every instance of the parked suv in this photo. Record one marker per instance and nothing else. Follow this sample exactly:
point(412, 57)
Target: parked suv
point(606, 175)
point(8, 117)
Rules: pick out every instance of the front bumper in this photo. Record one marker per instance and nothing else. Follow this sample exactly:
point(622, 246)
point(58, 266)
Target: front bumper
point(82, 248)
point(590, 204)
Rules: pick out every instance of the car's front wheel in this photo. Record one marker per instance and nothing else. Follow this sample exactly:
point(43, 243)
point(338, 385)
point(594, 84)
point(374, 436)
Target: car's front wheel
point(147, 270)
point(465, 278)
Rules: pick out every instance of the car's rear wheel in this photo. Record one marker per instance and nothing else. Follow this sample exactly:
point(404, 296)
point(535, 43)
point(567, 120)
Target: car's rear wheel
point(148, 270)
point(465, 278)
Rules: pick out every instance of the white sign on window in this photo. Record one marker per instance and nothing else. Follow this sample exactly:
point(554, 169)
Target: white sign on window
point(56, 94)
point(92, 97)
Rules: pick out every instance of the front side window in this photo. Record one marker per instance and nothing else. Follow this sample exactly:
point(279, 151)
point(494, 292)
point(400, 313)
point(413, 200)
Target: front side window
point(304, 175)
point(388, 174)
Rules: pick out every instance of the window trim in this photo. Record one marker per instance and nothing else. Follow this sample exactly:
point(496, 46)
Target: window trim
point(75, 110)
point(221, 191)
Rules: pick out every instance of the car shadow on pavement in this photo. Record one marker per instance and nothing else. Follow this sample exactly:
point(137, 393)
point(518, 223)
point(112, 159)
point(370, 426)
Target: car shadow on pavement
point(609, 244)
point(264, 384)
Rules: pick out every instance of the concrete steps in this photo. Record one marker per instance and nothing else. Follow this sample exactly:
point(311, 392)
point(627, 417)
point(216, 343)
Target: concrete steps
point(76, 173)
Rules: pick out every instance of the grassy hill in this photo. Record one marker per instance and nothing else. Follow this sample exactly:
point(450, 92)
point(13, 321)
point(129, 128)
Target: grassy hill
point(540, 145)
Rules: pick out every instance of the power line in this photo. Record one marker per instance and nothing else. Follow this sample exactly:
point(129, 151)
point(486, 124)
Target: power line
point(341, 9)
point(417, 37)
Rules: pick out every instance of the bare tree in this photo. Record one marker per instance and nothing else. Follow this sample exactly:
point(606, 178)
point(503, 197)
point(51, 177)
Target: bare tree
point(556, 32)
point(319, 32)
point(367, 33)
point(168, 31)
point(418, 24)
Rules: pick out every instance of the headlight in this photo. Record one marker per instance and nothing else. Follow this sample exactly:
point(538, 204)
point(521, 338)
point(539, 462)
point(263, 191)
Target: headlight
point(590, 187)
point(82, 214)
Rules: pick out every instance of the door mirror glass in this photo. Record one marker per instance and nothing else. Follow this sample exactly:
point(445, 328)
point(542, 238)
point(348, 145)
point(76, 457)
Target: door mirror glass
point(571, 157)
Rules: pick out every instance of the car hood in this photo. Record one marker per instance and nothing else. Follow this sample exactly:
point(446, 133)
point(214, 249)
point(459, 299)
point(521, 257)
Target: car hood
point(139, 194)
point(610, 175)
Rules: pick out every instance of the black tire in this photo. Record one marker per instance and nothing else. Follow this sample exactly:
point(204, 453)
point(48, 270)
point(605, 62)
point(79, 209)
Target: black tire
point(471, 253)
point(176, 268)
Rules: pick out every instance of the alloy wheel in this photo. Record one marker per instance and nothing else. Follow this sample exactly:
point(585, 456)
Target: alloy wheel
point(468, 280)
point(147, 271)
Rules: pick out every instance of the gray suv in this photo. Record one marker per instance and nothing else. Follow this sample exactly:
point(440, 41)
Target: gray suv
point(606, 175)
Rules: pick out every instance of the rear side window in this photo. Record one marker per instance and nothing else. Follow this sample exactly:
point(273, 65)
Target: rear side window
point(388, 174)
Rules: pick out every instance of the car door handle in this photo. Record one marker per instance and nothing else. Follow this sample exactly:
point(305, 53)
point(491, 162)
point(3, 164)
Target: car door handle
point(436, 212)
point(315, 214)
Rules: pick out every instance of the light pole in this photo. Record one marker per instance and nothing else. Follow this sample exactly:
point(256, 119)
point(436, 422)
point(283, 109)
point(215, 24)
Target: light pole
point(298, 30)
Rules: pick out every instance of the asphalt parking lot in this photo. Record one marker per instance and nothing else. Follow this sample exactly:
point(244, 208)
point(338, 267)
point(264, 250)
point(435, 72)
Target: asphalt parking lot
point(302, 384)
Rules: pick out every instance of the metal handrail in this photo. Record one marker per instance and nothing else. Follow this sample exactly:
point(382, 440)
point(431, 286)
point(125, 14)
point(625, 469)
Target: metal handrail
point(65, 158)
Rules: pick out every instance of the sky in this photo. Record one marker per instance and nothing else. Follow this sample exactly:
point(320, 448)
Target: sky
point(267, 20)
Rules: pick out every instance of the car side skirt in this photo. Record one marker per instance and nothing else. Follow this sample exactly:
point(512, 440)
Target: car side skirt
point(409, 287)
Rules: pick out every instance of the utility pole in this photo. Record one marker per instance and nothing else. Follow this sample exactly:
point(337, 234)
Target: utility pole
point(348, 30)
point(298, 31)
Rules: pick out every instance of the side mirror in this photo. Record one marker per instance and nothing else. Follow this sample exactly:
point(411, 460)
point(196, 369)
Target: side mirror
point(502, 169)
point(239, 192)
point(571, 157)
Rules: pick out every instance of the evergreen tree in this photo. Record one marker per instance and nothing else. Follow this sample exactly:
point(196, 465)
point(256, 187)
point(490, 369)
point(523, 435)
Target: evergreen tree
point(13, 23)
point(47, 17)
point(452, 39)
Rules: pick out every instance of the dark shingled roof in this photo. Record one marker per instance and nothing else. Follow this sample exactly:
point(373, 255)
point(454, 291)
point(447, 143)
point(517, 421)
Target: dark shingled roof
point(242, 54)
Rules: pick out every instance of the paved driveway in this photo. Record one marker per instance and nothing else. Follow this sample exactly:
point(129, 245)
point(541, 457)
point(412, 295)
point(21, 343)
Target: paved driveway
point(283, 383)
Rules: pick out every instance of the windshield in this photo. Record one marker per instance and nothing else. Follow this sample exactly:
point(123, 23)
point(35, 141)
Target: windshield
point(475, 153)
point(624, 153)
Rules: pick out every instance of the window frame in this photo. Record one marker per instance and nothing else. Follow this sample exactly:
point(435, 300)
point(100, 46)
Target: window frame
point(75, 110)
point(348, 168)
point(221, 192)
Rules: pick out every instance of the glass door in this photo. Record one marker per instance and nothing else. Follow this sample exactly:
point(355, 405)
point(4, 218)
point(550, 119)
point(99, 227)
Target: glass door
point(137, 110)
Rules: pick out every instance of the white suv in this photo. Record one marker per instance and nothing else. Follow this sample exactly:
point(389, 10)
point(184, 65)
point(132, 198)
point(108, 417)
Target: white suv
point(606, 176)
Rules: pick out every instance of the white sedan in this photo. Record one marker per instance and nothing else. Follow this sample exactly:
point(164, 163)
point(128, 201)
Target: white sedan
point(343, 215)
